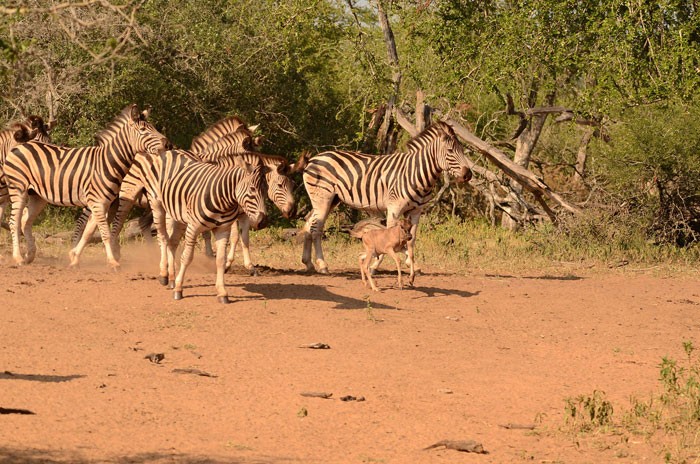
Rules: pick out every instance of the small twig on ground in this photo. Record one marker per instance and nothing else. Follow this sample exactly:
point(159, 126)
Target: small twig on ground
point(518, 426)
point(467, 446)
point(316, 394)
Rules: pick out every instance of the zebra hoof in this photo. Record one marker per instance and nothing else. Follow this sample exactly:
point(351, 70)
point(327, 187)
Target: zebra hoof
point(171, 285)
point(323, 270)
point(253, 272)
point(177, 295)
point(223, 300)
point(163, 280)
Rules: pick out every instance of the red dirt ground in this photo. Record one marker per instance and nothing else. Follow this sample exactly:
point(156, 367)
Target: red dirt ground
point(454, 358)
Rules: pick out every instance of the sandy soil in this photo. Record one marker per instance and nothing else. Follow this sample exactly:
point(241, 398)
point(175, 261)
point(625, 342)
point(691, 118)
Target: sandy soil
point(455, 358)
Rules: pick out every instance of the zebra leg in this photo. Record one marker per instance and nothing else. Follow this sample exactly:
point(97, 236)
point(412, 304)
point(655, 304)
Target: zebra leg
point(85, 236)
point(174, 236)
point(162, 234)
point(185, 259)
point(410, 246)
point(208, 249)
point(125, 205)
point(221, 234)
point(19, 201)
point(313, 232)
point(99, 212)
point(244, 224)
point(398, 266)
point(35, 205)
point(233, 240)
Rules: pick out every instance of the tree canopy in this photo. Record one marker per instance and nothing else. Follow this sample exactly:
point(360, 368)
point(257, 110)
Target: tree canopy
point(311, 73)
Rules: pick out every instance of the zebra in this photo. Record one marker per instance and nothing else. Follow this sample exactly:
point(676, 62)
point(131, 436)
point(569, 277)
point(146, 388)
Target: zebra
point(224, 152)
point(132, 192)
point(85, 176)
point(398, 184)
point(198, 196)
point(218, 130)
point(33, 128)
point(280, 188)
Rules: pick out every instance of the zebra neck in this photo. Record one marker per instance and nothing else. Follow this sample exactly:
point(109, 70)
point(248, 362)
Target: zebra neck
point(422, 172)
point(116, 157)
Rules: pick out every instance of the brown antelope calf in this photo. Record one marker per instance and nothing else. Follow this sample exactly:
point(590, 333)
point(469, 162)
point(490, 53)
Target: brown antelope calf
point(377, 241)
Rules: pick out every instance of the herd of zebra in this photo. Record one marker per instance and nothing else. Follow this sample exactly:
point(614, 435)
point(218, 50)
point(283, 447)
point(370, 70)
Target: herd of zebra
point(218, 186)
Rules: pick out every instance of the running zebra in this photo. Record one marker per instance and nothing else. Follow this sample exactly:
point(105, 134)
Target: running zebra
point(132, 192)
point(86, 176)
point(198, 197)
point(398, 184)
point(31, 129)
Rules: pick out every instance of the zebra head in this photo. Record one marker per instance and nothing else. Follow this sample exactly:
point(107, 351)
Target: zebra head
point(143, 136)
point(450, 154)
point(280, 187)
point(33, 128)
point(250, 193)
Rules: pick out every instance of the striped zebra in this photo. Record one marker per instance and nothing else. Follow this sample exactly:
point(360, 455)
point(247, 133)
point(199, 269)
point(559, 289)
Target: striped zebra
point(280, 188)
point(85, 176)
point(225, 152)
point(33, 128)
point(399, 184)
point(132, 193)
point(216, 131)
point(198, 196)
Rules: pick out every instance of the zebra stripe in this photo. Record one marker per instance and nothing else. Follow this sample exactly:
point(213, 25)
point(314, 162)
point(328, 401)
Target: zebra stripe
point(199, 197)
point(398, 184)
point(85, 176)
point(31, 129)
point(220, 129)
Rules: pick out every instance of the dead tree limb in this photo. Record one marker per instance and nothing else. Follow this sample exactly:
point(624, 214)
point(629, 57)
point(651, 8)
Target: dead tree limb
point(525, 177)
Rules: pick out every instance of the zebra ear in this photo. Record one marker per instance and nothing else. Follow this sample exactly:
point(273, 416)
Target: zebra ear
point(253, 127)
point(134, 113)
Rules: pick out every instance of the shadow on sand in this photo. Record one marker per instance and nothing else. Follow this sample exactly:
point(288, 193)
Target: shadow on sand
point(7, 375)
point(36, 456)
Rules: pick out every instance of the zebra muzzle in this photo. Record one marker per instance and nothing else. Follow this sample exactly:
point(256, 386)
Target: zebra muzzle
point(465, 174)
point(262, 223)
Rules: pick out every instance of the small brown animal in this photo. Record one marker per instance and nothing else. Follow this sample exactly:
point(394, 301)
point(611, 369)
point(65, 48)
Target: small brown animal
point(379, 241)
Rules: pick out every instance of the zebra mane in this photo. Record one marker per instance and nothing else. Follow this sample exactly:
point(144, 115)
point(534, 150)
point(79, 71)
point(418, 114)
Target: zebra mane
point(227, 125)
point(105, 135)
point(434, 130)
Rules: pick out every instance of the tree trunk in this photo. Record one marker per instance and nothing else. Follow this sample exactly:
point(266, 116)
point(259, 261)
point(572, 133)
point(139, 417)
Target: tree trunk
point(385, 140)
point(524, 146)
point(581, 157)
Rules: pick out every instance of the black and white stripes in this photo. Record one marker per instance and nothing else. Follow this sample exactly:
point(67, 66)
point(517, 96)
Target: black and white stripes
point(398, 184)
point(85, 176)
